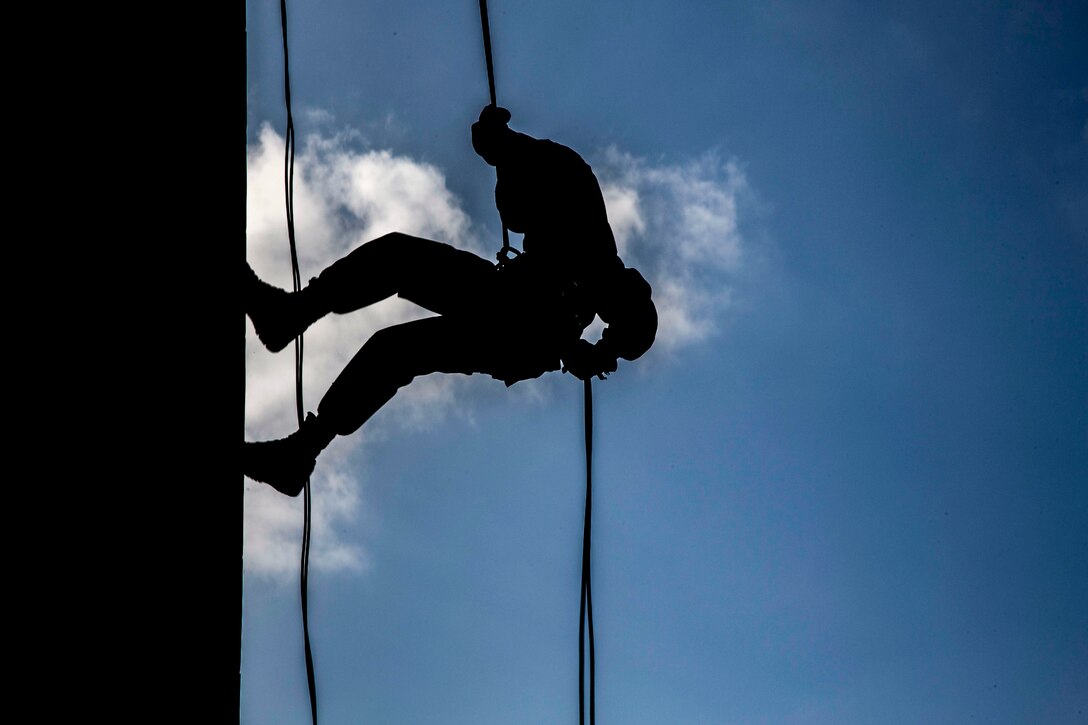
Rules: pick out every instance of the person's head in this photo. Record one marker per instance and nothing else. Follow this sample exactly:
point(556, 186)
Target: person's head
point(489, 134)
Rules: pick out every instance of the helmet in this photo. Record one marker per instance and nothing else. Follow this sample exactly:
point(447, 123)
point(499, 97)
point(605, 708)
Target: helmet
point(489, 131)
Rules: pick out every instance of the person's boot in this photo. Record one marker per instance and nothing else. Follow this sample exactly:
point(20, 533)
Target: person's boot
point(279, 316)
point(286, 463)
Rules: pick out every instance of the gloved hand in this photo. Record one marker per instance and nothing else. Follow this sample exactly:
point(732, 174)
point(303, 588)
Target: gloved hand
point(585, 360)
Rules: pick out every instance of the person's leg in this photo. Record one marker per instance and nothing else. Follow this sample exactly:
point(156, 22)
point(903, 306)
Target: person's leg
point(389, 360)
point(395, 356)
point(431, 274)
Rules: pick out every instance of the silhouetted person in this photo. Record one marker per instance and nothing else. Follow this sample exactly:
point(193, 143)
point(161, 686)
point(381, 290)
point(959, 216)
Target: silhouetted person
point(513, 322)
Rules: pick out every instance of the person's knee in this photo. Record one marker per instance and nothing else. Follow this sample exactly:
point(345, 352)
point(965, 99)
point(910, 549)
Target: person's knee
point(396, 246)
point(383, 365)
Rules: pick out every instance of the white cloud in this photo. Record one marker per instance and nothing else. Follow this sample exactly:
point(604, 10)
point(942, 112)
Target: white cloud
point(624, 214)
point(677, 223)
point(273, 523)
point(342, 198)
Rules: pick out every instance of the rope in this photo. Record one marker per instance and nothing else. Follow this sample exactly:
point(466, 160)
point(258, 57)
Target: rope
point(585, 614)
point(585, 606)
point(296, 279)
point(586, 599)
point(506, 248)
point(487, 51)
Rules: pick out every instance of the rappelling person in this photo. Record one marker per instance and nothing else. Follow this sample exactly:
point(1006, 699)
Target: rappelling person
point(513, 321)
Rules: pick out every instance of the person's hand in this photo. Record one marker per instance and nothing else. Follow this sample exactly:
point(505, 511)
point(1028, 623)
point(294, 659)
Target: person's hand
point(584, 360)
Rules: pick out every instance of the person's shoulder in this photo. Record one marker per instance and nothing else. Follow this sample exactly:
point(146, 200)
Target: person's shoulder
point(561, 148)
point(561, 154)
point(543, 145)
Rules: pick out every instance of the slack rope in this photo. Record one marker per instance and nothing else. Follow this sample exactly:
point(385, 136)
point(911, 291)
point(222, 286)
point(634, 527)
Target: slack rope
point(586, 605)
point(296, 279)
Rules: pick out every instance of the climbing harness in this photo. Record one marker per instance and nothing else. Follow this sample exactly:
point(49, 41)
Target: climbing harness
point(296, 279)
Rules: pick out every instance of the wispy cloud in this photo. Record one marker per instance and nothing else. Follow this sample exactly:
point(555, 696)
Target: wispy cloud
point(272, 523)
point(342, 198)
point(676, 222)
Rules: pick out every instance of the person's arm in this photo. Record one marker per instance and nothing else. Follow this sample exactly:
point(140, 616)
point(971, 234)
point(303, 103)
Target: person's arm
point(628, 309)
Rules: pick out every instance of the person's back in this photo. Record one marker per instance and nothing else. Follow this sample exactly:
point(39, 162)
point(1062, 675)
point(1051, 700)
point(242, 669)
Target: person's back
point(547, 192)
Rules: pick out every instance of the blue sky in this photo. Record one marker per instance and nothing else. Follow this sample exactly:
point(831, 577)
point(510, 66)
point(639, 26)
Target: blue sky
point(848, 484)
